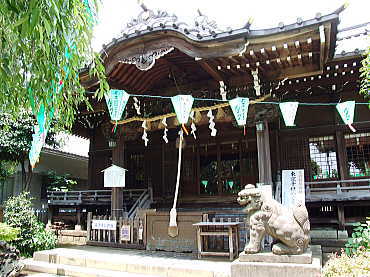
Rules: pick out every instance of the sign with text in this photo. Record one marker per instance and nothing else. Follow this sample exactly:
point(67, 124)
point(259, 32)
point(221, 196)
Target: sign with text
point(125, 232)
point(104, 224)
point(293, 192)
point(140, 233)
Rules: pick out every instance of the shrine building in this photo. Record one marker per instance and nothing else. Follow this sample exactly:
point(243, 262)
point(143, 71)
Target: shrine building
point(157, 56)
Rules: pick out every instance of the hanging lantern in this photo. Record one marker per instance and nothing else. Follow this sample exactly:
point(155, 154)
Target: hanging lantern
point(116, 101)
point(347, 112)
point(182, 105)
point(239, 106)
point(289, 110)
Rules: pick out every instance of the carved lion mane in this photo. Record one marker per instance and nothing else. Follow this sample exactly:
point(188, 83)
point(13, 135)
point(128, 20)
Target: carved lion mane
point(290, 227)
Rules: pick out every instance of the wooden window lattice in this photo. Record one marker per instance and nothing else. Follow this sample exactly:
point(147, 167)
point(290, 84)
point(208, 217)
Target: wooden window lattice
point(358, 154)
point(323, 158)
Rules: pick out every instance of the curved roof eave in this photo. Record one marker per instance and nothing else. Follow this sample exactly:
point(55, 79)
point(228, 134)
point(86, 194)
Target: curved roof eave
point(234, 40)
point(241, 33)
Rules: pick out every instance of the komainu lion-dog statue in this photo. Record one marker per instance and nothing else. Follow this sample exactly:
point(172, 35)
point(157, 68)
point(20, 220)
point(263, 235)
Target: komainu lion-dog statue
point(290, 227)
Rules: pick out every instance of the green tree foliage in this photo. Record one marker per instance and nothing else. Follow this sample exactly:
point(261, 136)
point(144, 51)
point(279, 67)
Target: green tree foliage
point(7, 169)
point(43, 45)
point(33, 236)
point(365, 75)
point(15, 143)
point(57, 182)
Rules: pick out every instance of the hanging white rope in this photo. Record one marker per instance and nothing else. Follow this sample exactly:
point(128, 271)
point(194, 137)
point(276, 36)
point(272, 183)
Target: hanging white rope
point(173, 231)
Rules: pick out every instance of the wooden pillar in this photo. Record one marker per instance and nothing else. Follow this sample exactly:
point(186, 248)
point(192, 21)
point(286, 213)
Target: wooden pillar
point(117, 193)
point(264, 157)
point(90, 170)
point(343, 172)
point(342, 155)
point(78, 218)
point(197, 179)
point(341, 217)
point(219, 180)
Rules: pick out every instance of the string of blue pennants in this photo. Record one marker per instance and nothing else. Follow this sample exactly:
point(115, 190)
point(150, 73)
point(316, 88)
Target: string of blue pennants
point(117, 100)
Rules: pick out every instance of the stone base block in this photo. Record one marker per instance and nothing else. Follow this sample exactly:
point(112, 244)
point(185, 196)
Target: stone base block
point(276, 268)
point(269, 257)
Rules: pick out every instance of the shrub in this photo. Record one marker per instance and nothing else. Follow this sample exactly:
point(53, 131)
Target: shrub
point(360, 238)
point(33, 236)
point(9, 255)
point(8, 233)
point(350, 266)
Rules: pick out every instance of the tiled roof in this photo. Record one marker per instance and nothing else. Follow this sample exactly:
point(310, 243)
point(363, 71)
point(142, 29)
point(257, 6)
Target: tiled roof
point(352, 40)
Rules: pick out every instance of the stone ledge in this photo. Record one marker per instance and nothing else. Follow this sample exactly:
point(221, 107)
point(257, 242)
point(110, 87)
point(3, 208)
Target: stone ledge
point(263, 269)
point(269, 257)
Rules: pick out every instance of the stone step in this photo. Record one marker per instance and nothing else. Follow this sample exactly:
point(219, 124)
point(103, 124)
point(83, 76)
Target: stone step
point(134, 261)
point(37, 274)
point(44, 269)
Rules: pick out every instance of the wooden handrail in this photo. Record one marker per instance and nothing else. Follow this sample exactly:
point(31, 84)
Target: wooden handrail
point(337, 181)
point(339, 189)
point(89, 195)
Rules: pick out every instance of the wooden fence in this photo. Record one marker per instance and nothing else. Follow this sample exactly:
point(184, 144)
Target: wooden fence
point(116, 232)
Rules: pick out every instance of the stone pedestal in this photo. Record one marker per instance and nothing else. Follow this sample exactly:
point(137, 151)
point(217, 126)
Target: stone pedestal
point(268, 264)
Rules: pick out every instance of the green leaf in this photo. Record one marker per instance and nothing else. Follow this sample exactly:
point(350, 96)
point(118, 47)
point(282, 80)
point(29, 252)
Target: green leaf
point(25, 27)
point(34, 18)
point(20, 21)
point(47, 26)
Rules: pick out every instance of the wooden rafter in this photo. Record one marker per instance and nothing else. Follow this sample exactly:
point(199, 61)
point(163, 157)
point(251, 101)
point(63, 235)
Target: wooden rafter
point(211, 71)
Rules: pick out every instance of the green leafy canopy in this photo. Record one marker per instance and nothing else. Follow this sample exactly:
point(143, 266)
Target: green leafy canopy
point(43, 45)
point(16, 136)
point(365, 75)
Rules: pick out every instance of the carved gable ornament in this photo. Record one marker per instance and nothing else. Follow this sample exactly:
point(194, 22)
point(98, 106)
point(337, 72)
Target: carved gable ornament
point(148, 19)
point(146, 60)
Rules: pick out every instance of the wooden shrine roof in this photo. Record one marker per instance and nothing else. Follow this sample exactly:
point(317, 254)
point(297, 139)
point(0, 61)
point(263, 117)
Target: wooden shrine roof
point(291, 61)
point(156, 45)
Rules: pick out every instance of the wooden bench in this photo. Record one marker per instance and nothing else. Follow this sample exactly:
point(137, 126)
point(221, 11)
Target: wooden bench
point(229, 229)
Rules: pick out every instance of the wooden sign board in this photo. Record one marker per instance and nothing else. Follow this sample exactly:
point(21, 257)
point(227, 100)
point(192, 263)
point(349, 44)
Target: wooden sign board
point(114, 177)
point(140, 233)
point(104, 224)
point(125, 232)
point(293, 191)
